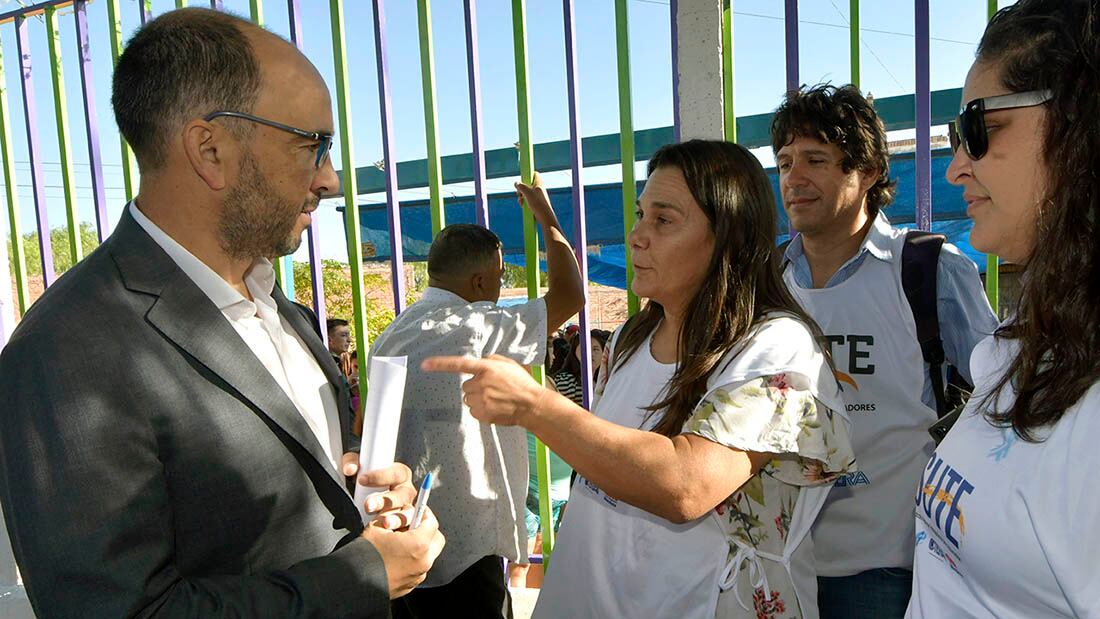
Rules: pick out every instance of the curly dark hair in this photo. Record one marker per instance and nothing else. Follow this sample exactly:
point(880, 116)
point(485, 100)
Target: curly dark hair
point(1054, 45)
point(743, 277)
point(841, 116)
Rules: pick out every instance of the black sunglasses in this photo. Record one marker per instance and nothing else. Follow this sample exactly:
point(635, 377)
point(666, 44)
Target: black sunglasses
point(969, 129)
point(324, 140)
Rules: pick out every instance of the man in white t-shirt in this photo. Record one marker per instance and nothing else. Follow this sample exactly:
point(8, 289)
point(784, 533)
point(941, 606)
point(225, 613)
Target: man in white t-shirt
point(844, 267)
point(480, 469)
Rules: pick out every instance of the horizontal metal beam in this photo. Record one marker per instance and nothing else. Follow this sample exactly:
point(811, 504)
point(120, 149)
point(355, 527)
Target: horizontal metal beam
point(752, 132)
point(34, 9)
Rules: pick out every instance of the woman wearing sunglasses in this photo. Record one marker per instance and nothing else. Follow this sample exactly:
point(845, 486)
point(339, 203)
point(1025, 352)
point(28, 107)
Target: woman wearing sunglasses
point(1007, 509)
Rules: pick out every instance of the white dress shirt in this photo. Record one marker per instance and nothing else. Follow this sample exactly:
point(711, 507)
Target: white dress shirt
point(267, 334)
point(480, 469)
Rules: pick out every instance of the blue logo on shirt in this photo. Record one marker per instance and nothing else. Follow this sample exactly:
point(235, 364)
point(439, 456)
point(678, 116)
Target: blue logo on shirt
point(943, 487)
point(852, 479)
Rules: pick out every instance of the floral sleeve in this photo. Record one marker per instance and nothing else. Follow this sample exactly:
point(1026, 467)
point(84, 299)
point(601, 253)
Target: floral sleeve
point(778, 414)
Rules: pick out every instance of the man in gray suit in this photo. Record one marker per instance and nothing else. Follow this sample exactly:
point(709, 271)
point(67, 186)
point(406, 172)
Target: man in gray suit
point(171, 442)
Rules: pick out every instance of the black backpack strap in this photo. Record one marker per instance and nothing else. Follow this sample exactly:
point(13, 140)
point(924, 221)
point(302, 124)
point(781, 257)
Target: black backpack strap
point(919, 264)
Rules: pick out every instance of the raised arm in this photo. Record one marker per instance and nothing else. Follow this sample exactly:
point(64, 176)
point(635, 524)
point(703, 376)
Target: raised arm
point(565, 289)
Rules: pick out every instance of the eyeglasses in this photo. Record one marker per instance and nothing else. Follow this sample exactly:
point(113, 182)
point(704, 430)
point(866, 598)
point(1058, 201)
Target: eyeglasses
point(324, 140)
point(969, 129)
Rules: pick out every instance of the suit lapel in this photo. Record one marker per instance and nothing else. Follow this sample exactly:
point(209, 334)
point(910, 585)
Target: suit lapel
point(186, 316)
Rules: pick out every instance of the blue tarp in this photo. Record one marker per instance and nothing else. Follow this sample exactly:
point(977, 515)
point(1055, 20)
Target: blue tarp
point(604, 223)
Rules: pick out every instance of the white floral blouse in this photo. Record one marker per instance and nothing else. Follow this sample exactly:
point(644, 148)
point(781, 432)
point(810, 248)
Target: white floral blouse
point(770, 415)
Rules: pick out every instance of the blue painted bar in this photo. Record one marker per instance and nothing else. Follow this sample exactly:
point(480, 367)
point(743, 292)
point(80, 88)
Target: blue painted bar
point(790, 31)
point(580, 237)
point(30, 112)
point(91, 123)
point(389, 158)
point(923, 116)
point(481, 201)
point(673, 5)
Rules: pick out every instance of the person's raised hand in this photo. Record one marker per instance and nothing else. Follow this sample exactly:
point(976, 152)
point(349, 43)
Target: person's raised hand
point(408, 554)
point(534, 197)
point(499, 391)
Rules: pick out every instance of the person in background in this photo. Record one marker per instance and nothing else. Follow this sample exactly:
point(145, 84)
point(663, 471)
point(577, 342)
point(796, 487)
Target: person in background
point(339, 337)
point(192, 459)
point(1007, 507)
point(481, 470)
point(846, 267)
point(718, 432)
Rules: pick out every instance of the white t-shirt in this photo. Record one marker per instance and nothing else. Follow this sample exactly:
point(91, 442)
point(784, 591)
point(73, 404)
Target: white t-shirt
point(1004, 527)
point(480, 469)
point(616, 560)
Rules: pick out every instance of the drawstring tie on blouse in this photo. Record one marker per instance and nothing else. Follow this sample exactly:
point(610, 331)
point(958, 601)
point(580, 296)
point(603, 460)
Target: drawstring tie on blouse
point(757, 577)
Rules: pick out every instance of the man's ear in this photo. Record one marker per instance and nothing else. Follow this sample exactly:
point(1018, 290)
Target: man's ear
point(868, 178)
point(206, 148)
point(477, 285)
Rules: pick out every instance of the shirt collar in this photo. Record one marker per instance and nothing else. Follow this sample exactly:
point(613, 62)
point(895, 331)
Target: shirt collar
point(260, 278)
point(442, 297)
point(877, 242)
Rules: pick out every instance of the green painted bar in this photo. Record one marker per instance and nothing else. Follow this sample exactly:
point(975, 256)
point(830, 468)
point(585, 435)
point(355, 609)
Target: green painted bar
point(347, 158)
point(129, 172)
point(992, 262)
point(18, 256)
point(853, 28)
point(181, 4)
point(256, 11)
point(626, 131)
point(53, 38)
point(427, 79)
point(730, 119)
point(531, 249)
point(752, 132)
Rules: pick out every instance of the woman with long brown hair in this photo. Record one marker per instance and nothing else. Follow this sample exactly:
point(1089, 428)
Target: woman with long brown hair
point(717, 432)
point(1007, 510)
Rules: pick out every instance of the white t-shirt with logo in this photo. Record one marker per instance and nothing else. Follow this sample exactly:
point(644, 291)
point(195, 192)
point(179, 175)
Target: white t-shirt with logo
point(1008, 528)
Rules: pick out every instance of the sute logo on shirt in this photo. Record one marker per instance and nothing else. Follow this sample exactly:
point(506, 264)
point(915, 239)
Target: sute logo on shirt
point(940, 499)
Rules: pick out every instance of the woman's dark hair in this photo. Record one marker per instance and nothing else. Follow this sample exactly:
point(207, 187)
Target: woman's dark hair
point(846, 119)
point(743, 281)
point(1054, 45)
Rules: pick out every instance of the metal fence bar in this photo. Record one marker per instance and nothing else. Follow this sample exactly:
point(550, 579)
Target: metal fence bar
point(18, 256)
point(389, 159)
point(216, 5)
point(91, 123)
point(313, 233)
point(626, 142)
point(30, 113)
point(730, 119)
point(853, 42)
point(145, 8)
point(61, 114)
point(181, 4)
point(580, 239)
point(673, 5)
point(481, 200)
point(427, 81)
point(351, 210)
point(790, 37)
point(924, 116)
point(992, 262)
point(129, 171)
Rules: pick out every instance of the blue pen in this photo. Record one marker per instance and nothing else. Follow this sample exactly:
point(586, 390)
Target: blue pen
point(422, 501)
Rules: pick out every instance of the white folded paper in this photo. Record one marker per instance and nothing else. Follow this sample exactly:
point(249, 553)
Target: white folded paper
point(381, 420)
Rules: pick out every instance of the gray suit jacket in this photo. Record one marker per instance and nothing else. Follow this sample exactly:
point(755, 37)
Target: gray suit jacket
point(151, 466)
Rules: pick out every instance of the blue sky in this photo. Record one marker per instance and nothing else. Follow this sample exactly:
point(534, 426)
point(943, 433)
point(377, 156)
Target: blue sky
point(887, 69)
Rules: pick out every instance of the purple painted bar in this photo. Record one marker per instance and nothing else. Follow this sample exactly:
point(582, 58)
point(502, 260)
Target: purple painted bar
point(30, 112)
point(481, 201)
point(580, 241)
point(673, 5)
point(389, 157)
point(313, 238)
point(91, 124)
point(923, 119)
point(145, 10)
point(790, 26)
point(216, 5)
